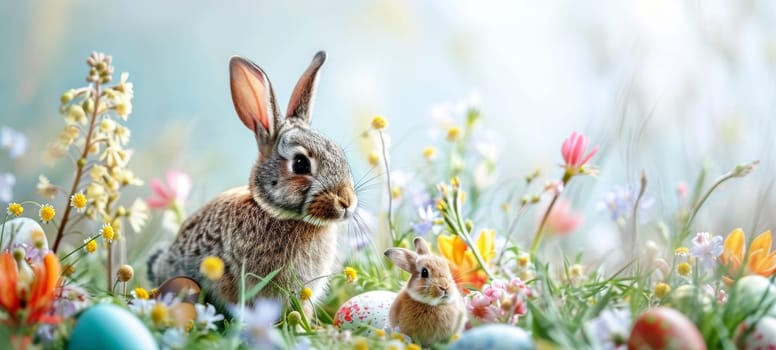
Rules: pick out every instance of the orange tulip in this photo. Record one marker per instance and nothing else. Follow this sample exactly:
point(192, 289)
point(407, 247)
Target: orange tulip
point(463, 264)
point(29, 305)
point(761, 260)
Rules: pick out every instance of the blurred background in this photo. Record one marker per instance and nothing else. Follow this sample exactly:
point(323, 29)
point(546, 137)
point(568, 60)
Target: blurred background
point(663, 86)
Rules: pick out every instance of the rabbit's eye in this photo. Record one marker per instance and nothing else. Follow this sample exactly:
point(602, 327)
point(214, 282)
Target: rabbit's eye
point(300, 165)
point(424, 273)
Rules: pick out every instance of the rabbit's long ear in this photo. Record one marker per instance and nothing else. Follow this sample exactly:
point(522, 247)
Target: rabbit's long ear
point(254, 100)
point(301, 103)
point(403, 258)
point(421, 247)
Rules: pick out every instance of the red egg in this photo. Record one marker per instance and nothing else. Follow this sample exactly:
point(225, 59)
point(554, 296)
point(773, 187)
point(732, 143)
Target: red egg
point(665, 328)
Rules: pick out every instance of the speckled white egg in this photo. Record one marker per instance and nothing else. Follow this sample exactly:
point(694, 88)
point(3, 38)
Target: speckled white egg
point(21, 229)
point(762, 336)
point(494, 337)
point(367, 310)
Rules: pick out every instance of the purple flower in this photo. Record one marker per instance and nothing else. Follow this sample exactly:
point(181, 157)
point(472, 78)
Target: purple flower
point(427, 218)
point(610, 329)
point(7, 180)
point(706, 248)
point(257, 324)
point(15, 142)
point(620, 201)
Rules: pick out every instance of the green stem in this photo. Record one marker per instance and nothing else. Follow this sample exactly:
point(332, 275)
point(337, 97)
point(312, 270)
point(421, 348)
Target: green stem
point(388, 180)
point(465, 235)
point(686, 227)
point(540, 231)
point(2, 231)
point(110, 265)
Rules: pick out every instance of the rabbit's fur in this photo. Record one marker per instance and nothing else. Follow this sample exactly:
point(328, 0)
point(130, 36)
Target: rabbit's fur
point(430, 308)
point(286, 218)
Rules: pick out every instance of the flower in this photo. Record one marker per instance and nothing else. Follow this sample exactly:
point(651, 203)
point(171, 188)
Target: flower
point(257, 324)
point(351, 274)
point(379, 122)
point(373, 158)
point(428, 218)
point(611, 329)
point(173, 193)
point(760, 261)
point(212, 267)
point(15, 209)
point(125, 273)
point(562, 219)
point(47, 213)
point(78, 201)
point(13, 141)
point(499, 302)
point(160, 314)
point(453, 133)
point(140, 293)
point(620, 202)
point(662, 289)
point(706, 248)
point(429, 153)
point(7, 180)
point(107, 232)
point(463, 264)
point(306, 293)
point(27, 300)
point(137, 214)
point(91, 246)
point(573, 151)
point(174, 339)
point(207, 316)
point(684, 269)
point(45, 188)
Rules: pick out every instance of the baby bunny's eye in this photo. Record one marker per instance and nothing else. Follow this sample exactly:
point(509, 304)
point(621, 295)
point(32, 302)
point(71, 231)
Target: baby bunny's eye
point(424, 273)
point(300, 165)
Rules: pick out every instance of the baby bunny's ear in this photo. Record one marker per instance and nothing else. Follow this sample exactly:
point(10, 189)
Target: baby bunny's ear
point(254, 100)
point(301, 103)
point(421, 247)
point(403, 258)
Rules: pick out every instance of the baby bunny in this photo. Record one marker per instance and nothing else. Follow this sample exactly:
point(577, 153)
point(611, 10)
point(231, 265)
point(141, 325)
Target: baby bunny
point(430, 309)
point(287, 216)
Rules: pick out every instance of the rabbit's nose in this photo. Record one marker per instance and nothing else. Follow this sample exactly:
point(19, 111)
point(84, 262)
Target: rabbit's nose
point(444, 290)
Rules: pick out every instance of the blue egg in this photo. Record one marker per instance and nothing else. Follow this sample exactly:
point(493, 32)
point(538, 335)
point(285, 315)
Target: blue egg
point(494, 337)
point(107, 326)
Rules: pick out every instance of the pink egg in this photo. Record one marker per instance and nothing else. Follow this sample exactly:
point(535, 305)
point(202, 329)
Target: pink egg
point(367, 310)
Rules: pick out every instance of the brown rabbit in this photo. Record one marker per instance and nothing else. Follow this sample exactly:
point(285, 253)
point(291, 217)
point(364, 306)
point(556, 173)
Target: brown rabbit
point(287, 217)
point(430, 309)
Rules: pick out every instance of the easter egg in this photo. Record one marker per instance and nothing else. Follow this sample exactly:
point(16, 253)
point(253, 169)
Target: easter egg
point(366, 310)
point(665, 328)
point(180, 286)
point(21, 231)
point(761, 336)
point(750, 293)
point(182, 314)
point(107, 326)
point(494, 337)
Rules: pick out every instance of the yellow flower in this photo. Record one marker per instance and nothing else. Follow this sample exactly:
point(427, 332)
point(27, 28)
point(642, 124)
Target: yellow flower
point(576, 271)
point(212, 267)
point(379, 122)
point(47, 213)
point(684, 268)
point(523, 260)
point(160, 314)
point(91, 246)
point(141, 293)
point(761, 260)
point(453, 133)
point(306, 293)
point(78, 201)
point(682, 251)
point(414, 346)
point(107, 232)
point(351, 274)
point(379, 333)
point(15, 209)
point(463, 264)
point(373, 158)
point(360, 344)
point(662, 289)
point(395, 192)
point(38, 238)
point(429, 153)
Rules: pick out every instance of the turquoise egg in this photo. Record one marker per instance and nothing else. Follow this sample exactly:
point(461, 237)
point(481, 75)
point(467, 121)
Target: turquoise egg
point(494, 337)
point(107, 326)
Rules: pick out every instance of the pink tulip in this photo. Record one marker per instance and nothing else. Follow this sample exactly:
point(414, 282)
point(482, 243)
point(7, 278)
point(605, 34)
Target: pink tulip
point(175, 191)
point(573, 151)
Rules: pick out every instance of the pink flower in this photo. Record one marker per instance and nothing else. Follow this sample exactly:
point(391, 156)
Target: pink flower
point(562, 219)
point(573, 151)
point(175, 191)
